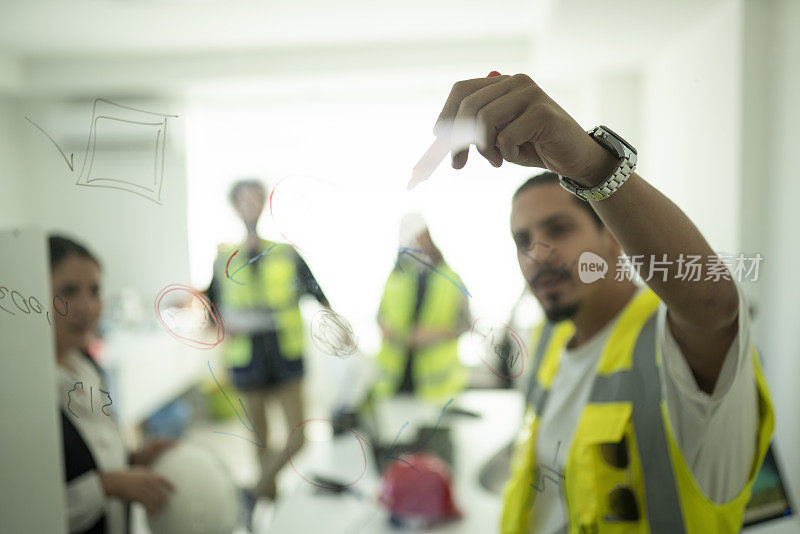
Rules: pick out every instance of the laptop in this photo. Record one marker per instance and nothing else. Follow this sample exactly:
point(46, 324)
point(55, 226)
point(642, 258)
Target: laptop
point(769, 499)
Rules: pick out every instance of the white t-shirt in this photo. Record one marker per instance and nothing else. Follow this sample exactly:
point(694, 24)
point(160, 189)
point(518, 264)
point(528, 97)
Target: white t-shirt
point(717, 433)
point(83, 405)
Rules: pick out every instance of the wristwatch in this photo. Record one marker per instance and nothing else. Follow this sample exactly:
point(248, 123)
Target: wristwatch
point(622, 150)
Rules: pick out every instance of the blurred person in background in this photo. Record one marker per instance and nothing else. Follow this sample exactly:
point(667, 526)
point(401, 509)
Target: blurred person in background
point(264, 345)
point(101, 477)
point(423, 311)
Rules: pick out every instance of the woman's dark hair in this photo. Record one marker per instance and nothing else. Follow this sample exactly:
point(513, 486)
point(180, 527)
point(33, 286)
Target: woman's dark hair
point(63, 247)
point(549, 177)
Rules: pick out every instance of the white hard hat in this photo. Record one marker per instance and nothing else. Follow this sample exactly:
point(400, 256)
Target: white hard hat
point(205, 497)
point(411, 225)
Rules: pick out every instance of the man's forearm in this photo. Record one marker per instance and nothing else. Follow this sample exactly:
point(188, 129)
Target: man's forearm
point(648, 224)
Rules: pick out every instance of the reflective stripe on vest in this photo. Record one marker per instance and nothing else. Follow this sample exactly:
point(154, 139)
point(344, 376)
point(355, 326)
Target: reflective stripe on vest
point(643, 387)
point(668, 498)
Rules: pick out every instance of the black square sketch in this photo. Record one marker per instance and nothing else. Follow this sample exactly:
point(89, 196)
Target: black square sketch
point(115, 123)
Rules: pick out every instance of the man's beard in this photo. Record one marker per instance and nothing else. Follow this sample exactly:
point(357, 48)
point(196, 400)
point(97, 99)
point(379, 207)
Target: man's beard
point(561, 312)
point(558, 311)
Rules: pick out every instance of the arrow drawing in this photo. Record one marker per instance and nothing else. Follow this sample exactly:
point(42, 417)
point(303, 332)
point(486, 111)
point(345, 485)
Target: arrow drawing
point(71, 156)
point(261, 442)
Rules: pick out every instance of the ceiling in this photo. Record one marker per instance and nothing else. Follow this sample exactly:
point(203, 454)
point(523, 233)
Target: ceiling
point(82, 46)
point(54, 27)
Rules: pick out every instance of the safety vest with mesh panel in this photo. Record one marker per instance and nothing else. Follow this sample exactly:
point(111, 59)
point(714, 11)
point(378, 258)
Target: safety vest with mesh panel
point(625, 410)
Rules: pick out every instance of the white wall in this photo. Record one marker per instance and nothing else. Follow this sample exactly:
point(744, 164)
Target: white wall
point(691, 122)
point(14, 200)
point(670, 84)
point(779, 290)
point(31, 499)
point(141, 244)
point(720, 116)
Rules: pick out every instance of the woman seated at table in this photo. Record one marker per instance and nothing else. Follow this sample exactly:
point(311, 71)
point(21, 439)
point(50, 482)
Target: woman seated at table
point(102, 479)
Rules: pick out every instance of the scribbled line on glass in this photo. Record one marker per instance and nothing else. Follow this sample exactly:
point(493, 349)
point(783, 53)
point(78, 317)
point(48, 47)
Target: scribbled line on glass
point(32, 304)
point(332, 334)
point(254, 259)
point(158, 170)
point(91, 399)
point(510, 357)
point(498, 348)
point(361, 442)
point(563, 270)
point(261, 442)
point(408, 252)
point(389, 455)
point(539, 485)
point(209, 311)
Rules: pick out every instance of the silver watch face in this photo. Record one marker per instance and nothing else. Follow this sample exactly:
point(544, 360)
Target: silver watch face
point(621, 149)
point(614, 135)
point(568, 184)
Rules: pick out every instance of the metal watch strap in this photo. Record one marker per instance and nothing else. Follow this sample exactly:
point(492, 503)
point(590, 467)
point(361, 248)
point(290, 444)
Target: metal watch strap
point(620, 149)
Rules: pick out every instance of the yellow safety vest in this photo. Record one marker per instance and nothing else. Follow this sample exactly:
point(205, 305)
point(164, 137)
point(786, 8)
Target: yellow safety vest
point(436, 369)
point(625, 402)
point(271, 284)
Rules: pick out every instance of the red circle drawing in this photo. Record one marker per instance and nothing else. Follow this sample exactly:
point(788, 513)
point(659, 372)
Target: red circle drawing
point(523, 351)
point(208, 308)
point(360, 440)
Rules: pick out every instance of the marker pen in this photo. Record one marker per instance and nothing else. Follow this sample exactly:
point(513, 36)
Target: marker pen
point(433, 156)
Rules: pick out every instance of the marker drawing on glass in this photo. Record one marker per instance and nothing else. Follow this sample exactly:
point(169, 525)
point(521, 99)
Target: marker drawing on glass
point(389, 455)
point(551, 471)
point(261, 442)
point(332, 334)
point(518, 351)
point(252, 260)
point(325, 484)
point(16, 298)
point(70, 162)
point(408, 252)
point(112, 116)
point(91, 399)
point(209, 312)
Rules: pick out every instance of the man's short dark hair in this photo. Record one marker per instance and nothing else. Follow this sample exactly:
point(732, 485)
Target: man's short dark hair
point(240, 185)
point(549, 177)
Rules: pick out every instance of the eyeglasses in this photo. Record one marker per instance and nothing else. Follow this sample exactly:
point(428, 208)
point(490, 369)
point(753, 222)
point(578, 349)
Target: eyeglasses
point(621, 499)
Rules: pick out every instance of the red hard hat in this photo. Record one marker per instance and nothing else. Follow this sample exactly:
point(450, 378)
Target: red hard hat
point(417, 486)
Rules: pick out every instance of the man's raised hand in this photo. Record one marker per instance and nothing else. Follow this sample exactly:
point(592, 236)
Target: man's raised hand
point(510, 118)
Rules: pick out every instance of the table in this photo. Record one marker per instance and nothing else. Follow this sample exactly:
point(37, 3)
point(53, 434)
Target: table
point(475, 440)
